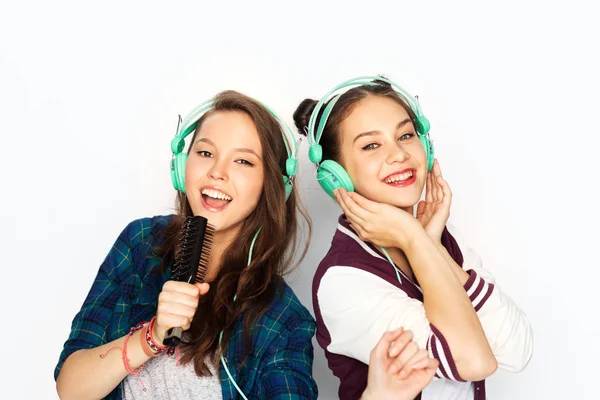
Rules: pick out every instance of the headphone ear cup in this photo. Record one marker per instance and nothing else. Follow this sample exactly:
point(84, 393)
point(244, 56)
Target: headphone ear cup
point(178, 171)
point(428, 146)
point(332, 175)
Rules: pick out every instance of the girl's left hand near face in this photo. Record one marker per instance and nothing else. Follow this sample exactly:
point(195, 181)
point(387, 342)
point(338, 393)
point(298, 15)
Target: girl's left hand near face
point(434, 211)
point(381, 224)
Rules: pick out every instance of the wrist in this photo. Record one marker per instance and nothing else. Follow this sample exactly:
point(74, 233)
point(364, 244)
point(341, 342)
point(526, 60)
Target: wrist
point(155, 332)
point(416, 241)
point(155, 339)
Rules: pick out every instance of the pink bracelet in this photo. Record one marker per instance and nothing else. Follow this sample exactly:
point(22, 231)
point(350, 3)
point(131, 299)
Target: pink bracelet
point(157, 348)
point(124, 352)
point(125, 358)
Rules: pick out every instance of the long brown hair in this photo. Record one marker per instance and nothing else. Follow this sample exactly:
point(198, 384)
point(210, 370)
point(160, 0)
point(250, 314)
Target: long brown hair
point(273, 254)
point(330, 140)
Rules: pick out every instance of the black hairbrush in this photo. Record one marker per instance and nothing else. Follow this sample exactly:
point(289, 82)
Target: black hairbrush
point(191, 264)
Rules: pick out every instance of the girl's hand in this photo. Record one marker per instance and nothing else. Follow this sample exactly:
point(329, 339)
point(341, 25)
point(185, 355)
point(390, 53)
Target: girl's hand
point(381, 224)
point(398, 370)
point(434, 211)
point(177, 304)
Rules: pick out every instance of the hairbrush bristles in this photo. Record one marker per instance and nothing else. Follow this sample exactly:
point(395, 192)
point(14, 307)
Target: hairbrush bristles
point(191, 266)
point(195, 244)
point(202, 269)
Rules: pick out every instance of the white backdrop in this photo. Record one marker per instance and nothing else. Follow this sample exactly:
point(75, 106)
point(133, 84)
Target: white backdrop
point(89, 94)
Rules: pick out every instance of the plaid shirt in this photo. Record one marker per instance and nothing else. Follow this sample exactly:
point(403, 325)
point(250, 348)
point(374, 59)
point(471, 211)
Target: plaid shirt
point(125, 292)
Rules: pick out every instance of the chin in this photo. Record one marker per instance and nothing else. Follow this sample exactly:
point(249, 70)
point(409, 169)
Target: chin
point(394, 198)
point(405, 206)
point(400, 203)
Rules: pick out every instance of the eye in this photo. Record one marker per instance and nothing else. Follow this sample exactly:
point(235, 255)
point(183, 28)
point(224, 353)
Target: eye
point(244, 162)
point(371, 146)
point(406, 136)
point(204, 153)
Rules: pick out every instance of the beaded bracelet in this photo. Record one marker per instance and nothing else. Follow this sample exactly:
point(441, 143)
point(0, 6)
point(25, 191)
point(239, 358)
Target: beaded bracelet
point(145, 347)
point(155, 347)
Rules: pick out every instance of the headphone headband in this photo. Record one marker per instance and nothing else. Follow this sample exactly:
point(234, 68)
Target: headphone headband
point(189, 124)
point(314, 135)
point(332, 175)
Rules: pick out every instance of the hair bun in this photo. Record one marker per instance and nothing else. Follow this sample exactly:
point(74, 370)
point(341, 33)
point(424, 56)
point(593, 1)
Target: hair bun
point(382, 82)
point(302, 115)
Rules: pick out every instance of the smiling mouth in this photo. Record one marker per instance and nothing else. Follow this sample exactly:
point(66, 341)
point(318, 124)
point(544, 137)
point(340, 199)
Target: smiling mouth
point(401, 179)
point(215, 200)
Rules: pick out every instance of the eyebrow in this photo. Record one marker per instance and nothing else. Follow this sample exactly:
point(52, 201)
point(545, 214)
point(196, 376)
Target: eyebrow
point(373, 133)
point(239, 149)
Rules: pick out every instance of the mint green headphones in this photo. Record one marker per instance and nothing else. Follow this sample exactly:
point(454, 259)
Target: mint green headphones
point(189, 125)
point(332, 175)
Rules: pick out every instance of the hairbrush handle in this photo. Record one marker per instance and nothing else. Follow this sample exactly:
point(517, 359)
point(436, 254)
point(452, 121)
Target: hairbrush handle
point(173, 337)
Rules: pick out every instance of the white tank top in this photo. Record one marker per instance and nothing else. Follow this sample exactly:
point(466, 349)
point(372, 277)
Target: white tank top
point(164, 380)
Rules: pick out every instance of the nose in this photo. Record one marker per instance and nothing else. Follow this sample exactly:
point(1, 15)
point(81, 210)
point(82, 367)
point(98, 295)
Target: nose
point(397, 154)
point(218, 170)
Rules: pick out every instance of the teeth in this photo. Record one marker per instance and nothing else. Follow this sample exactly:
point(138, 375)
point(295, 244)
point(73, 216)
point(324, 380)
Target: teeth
point(215, 194)
point(399, 177)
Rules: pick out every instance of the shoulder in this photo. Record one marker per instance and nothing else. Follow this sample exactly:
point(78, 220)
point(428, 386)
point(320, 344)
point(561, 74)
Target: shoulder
point(286, 304)
point(346, 288)
point(349, 250)
point(286, 313)
point(147, 230)
point(131, 251)
point(354, 258)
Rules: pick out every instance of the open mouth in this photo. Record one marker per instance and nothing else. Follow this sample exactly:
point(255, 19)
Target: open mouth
point(402, 178)
point(215, 200)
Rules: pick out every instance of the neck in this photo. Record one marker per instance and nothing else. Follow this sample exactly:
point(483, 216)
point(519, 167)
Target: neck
point(398, 255)
point(401, 261)
point(410, 210)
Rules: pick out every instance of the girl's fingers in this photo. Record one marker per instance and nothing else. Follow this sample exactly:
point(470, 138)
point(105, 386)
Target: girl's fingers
point(420, 209)
point(166, 297)
point(400, 361)
point(435, 173)
point(426, 363)
point(177, 309)
point(447, 199)
point(204, 287)
point(363, 202)
point(356, 227)
point(440, 191)
point(169, 320)
point(399, 343)
point(349, 214)
point(355, 208)
point(181, 287)
point(438, 175)
point(432, 365)
point(439, 168)
point(382, 348)
point(428, 190)
point(420, 356)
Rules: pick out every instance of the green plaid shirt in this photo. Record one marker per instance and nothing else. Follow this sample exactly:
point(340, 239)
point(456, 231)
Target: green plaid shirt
point(125, 292)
